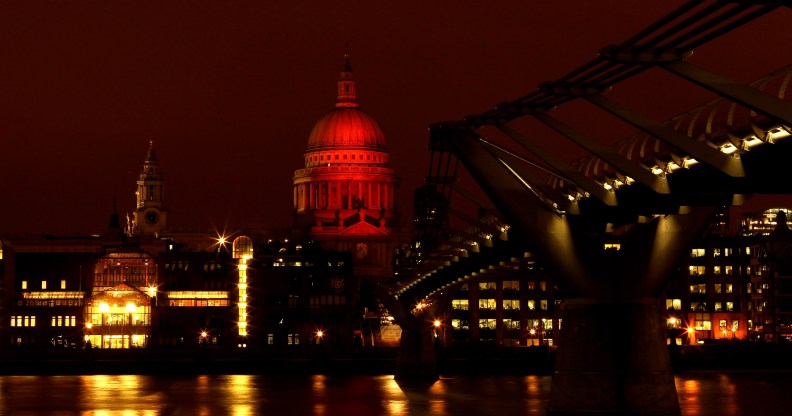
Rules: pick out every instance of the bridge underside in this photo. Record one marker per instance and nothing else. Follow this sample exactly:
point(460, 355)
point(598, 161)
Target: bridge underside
point(653, 203)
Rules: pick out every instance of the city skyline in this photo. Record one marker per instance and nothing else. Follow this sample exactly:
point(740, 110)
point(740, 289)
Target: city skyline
point(229, 94)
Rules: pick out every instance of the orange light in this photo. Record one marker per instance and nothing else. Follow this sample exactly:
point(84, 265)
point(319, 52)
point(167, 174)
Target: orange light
point(88, 325)
point(532, 331)
point(320, 333)
point(437, 323)
point(690, 330)
point(204, 334)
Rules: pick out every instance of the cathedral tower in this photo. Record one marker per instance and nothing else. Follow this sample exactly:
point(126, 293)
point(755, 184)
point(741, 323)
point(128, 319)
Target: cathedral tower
point(150, 216)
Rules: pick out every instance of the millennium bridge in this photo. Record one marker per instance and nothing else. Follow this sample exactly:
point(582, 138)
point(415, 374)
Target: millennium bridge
point(652, 192)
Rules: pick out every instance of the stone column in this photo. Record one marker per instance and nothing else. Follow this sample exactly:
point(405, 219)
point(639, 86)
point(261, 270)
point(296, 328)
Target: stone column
point(612, 359)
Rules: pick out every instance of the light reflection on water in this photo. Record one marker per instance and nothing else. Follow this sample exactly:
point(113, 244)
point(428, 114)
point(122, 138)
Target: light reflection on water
point(244, 395)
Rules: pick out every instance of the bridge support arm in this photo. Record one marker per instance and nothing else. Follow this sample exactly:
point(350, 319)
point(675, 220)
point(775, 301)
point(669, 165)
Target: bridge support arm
point(759, 101)
point(703, 153)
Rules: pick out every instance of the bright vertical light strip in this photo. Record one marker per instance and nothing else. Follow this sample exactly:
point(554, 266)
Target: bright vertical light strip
point(242, 286)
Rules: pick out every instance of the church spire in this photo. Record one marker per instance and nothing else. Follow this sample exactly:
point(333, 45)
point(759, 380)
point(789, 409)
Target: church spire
point(151, 156)
point(346, 84)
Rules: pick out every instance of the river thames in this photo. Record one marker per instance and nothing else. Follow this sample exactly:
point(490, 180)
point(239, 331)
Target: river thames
point(104, 395)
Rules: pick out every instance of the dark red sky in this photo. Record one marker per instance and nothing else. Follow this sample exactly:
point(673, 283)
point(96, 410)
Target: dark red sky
point(229, 91)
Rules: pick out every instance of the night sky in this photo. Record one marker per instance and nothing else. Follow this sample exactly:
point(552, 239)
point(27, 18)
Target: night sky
point(228, 91)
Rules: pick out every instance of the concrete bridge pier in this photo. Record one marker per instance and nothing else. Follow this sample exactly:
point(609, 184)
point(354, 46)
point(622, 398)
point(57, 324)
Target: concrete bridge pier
point(612, 360)
point(417, 360)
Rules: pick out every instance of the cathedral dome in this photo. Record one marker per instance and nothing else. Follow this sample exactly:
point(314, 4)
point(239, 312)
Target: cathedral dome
point(348, 127)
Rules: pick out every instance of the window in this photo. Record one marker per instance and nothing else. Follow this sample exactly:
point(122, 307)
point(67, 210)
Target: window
point(728, 270)
point(487, 323)
point(63, 284)
point(697, 252)
point(696, 270)
point(716, 269)
point(64, 321)
point(718, 306)
point(43, 285)
point(698, 288)
point(486, 285)
point(722, 324)
point(674, 304)
point(728, 252)
point(511, 304)
point(531, 305)
point(703, 325)
point(487, 304)
point(511, 323)
point(543, 286)
point(717, 287)
point(730, 306)
point(511, 285)
point(543, 304)
point(716, 252)
point(460, 324)
point(24, 285)
point(728, 288)
point(23, 321)
point(459, 304)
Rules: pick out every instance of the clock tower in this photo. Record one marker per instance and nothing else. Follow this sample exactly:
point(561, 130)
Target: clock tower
point(150, 217)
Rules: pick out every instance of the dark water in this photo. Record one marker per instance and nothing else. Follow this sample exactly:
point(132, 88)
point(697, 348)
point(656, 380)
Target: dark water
point(105, 395)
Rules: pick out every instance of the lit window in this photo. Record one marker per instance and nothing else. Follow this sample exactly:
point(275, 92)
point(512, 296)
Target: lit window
point(24, 284)
point(63, 284)
point(717, 288)
point(703, 325)
point(459, 304)
point(487, 323)
point(697, 252)
point(459, 324)
point(486, 303)
point(674, 304)
point(511, 304)
point(730, 306)
point(718, 306)
point(43, 285)
point(716, 270)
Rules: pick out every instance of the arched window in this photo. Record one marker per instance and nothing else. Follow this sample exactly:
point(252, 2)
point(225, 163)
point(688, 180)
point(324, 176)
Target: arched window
point(243, 247)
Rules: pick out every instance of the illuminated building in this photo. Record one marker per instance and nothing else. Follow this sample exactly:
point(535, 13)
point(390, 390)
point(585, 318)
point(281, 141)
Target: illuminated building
point(771, 283)
point(347, 195)
point(519, 309)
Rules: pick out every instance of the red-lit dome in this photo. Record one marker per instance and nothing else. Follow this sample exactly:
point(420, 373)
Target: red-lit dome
point(348, 127)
